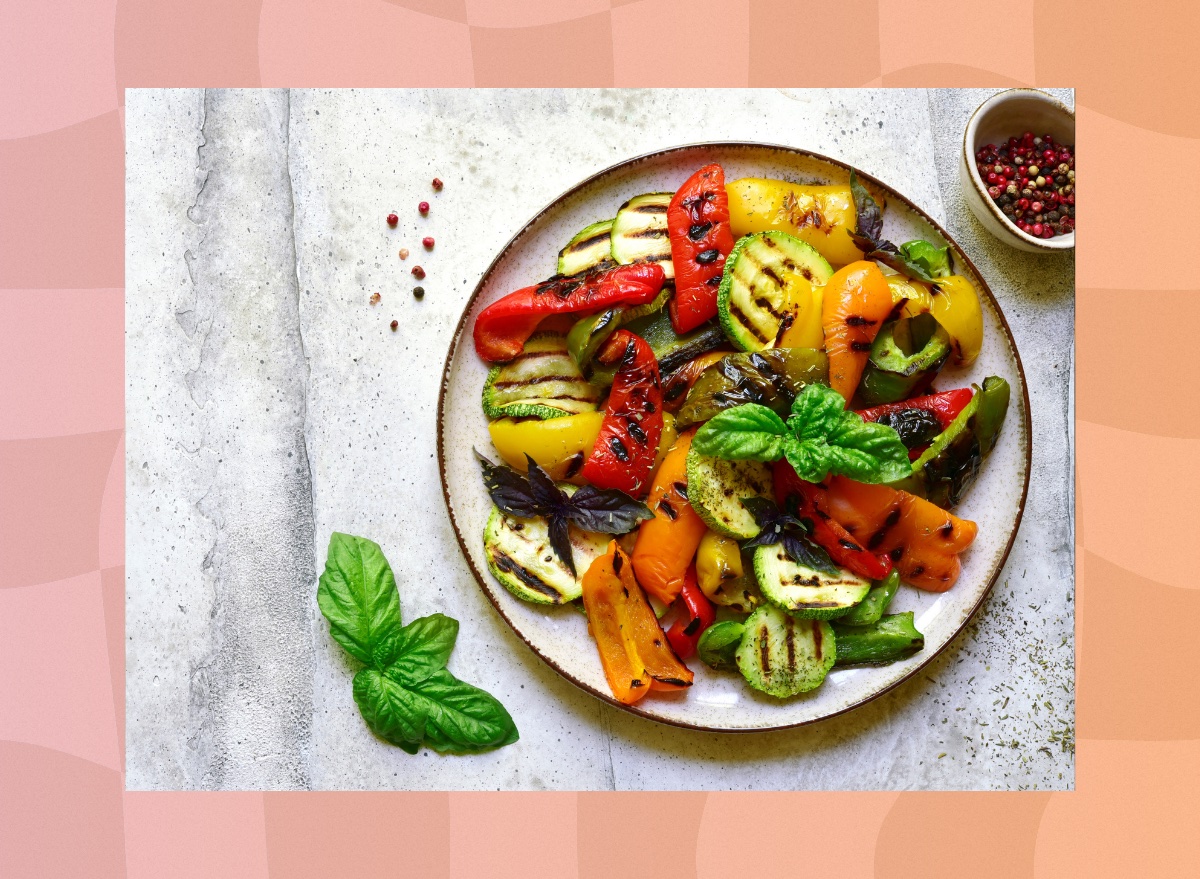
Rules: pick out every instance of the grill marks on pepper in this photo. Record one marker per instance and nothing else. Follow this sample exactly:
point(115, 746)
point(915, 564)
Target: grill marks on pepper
point(618, 449)
point(879, 536)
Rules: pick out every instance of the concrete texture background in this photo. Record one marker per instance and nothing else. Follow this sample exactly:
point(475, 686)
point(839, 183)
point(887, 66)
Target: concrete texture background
point(268, 404)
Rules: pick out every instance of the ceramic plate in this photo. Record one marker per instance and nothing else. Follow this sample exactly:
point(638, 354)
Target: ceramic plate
point(723, 701)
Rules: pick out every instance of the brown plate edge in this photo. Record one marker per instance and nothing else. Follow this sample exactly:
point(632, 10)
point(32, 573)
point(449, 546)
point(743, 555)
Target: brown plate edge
point(457, 339)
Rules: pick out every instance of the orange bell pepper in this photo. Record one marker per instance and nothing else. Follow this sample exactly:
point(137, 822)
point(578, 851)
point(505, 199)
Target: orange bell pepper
point(856, 301)
point(667, 543)
point(633, 649)
point(922, 539)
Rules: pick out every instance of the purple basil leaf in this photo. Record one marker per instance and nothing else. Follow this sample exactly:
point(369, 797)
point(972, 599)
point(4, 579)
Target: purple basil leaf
point(804, 552)
point(560, 540)
point(901, 264)
point(509, 490)
point(606, 510)
point(868, 217)
point(548, 496)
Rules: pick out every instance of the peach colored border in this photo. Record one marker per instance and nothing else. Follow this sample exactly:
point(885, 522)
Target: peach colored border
point(63, 811)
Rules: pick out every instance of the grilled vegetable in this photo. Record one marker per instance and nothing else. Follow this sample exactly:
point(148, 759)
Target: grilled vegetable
point(892, 638)
point(871, 608)
point(590, 332)
point(810, 501)
point(633, 648)
point(953, 302)
point(914, 419)
point(815, 593)
point(716, 488)
point(822, 216)
point(627, 446)
point(698, 227)
point(696, 614)
point(679, 384)
point(783, 656)
point(520, 557)
point(856, 301)
point(718, 645)
point(767, 277)
point(805, 330)
point(905, 359)
point(772, 378)
point(542, 382)
point(588, 250)
point(560, 445)
point(723, 574)
point(639, 233)
point(592, 509)
point(501, 329)
point(922, 540)
point(671, 349)
point(948, 467)
point(667, 543)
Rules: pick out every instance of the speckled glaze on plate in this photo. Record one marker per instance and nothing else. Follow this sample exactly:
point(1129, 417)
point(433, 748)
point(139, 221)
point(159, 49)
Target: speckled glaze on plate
point(723, 701)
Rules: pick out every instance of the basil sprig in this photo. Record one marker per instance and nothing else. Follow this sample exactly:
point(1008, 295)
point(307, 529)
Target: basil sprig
point(917, 259)
point(784, 527)
point(819, 437)
point(405, 693)
point(604, 510)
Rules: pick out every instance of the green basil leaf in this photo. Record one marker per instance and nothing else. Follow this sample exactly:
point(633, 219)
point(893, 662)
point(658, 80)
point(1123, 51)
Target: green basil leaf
point(828, 439)
point(357, 594)
point(873, 450)
point(462, 719)
point(807, 458)
point(934, 260)
point(393, 713)
point(422, 648)
point(816, 411)
point(747, 432)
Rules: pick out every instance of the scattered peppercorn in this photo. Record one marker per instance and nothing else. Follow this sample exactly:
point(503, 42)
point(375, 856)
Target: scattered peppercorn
point(428, 242)
point(404, 253)
point(375, 297)
point(395, 324)
point(392, 220)
point(418, 272)
point(423, 207)
point(437, 184)
point(418, 292)
point(1031, 179)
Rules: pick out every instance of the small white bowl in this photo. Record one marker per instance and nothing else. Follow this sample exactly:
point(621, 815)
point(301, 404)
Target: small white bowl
point(1004, 115)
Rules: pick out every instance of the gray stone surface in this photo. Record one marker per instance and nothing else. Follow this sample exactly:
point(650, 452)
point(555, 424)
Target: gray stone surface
point(269, 404)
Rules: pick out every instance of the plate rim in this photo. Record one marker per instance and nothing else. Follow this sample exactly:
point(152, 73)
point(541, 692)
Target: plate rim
point(458, 336)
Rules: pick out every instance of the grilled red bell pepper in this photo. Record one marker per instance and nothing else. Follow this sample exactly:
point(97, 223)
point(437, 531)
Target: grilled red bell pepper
point(627, 445)
point(945, 406)
point(696, 615)
point(813, 504)
point(502, 328)
point(698, 226)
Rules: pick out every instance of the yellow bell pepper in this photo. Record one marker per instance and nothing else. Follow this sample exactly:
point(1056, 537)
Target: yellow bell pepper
point(953, 302)
point(721, 573)
point(822, 216)
point(559, 445)
point(805, 331)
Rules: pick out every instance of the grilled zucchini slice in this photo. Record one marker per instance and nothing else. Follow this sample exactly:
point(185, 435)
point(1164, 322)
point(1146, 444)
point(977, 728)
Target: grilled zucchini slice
point(783, 656)
point(765, 274)
point(716, 488)
point(519, 556)
point(590, 249)
point(542, 382)
point(806, 592)
point(639, 232)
